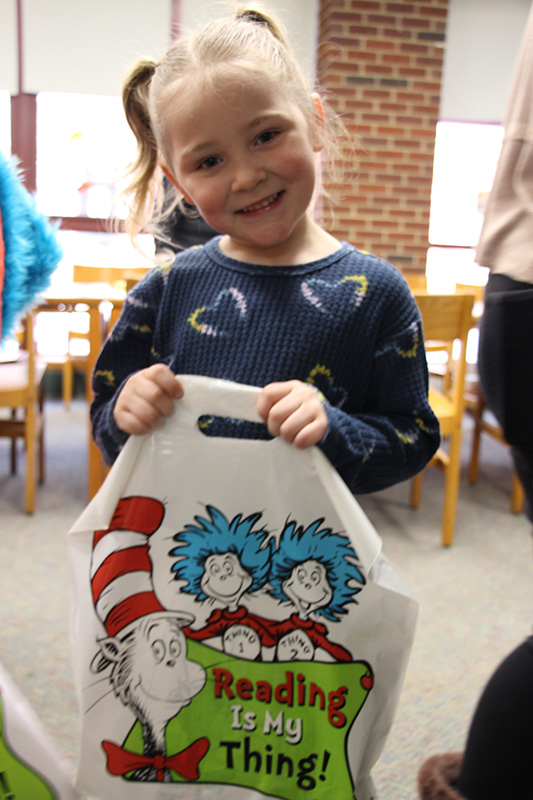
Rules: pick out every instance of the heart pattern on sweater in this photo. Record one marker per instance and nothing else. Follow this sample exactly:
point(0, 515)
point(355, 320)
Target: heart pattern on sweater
point(229, 305)
point(323, 294)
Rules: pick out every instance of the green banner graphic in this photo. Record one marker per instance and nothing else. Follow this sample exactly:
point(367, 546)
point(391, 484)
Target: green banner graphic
point(17, 780)
point(280, 728)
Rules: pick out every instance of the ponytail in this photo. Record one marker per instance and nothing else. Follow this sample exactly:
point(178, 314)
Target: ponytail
point(141, 191)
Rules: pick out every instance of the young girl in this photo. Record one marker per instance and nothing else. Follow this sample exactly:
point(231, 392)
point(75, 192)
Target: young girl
point(332, 335)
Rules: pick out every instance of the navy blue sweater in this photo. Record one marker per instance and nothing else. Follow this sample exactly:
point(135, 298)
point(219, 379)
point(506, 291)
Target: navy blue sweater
point(347, 324)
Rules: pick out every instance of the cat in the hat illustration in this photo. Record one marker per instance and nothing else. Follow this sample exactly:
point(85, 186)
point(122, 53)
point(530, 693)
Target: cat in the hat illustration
point(145, 649)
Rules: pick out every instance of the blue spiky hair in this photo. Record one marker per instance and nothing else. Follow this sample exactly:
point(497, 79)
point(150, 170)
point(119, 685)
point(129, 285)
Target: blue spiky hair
point(32, 251)
point(217, 535)
point(334, 551)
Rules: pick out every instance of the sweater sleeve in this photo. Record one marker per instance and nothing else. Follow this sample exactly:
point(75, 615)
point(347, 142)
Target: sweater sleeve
point(397, 434)
point(128, 349)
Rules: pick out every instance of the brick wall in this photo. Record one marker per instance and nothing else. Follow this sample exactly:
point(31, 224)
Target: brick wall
point(380, 64)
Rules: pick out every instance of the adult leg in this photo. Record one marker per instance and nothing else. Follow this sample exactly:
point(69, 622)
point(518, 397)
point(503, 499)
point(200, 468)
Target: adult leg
point(496, 764)
point(497, 760)
point(505, 369)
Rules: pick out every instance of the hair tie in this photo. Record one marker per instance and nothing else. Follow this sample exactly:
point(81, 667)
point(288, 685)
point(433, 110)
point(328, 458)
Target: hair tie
point(256, 17)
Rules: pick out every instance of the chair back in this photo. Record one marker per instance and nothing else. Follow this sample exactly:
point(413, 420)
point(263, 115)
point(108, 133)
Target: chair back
point(447, 318)
point(416, 279)
point(477, 290)
point(123, 277)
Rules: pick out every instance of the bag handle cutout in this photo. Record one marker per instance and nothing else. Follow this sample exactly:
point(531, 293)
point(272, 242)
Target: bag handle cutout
point(213, 396)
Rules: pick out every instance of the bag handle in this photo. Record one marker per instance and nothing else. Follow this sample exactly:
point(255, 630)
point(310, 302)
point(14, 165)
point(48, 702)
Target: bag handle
point(218, 397)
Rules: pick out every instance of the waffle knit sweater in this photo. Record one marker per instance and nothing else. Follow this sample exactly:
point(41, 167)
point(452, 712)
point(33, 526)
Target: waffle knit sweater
point(346, 324)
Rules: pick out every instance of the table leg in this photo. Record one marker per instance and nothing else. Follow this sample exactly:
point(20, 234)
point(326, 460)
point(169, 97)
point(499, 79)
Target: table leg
point(97, 468)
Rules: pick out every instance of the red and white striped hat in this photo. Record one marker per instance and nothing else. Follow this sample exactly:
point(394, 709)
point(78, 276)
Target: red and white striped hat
point(121, 568)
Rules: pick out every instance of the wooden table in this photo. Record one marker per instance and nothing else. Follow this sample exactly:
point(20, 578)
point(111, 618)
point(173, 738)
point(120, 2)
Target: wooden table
point(92, 296)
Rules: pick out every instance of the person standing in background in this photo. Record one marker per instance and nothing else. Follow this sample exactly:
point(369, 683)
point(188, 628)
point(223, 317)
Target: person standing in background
point(496, 764)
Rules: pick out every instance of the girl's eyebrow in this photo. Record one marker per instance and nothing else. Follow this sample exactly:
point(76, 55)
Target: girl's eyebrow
point(267, 117)
point(200, 147)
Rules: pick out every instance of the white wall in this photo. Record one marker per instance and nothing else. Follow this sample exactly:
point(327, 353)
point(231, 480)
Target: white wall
point(482, 42)
point(8, 46)
point(300, 18)
point(86, 46)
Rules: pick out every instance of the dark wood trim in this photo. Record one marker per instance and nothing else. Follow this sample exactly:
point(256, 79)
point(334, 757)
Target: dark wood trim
point(24, 118)
point(24, 136)
point(453, 246)
point(175, 21)
point(89, 224)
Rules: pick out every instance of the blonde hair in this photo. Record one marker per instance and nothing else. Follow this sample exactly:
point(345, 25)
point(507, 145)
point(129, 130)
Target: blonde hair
point(251, 40)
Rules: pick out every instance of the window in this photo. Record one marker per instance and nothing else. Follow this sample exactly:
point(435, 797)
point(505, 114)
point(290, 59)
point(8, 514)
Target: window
point(465, 161)
point(83, 145)
point(463, 171)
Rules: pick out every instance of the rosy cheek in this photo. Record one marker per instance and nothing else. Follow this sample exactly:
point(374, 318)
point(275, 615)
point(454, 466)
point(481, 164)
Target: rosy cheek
point(206, 202)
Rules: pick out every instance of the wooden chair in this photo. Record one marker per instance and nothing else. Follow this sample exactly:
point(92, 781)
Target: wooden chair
point(21, 392)
point(72, 362)
point(119, 277)
point(68, 360)
point(447, 318)
point(416, 279)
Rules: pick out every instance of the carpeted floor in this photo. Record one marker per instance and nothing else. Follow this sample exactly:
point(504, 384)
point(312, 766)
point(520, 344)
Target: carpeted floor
point(475, 597)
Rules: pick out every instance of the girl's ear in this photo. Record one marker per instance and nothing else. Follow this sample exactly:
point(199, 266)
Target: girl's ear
point(319, 128)
point(174, 182)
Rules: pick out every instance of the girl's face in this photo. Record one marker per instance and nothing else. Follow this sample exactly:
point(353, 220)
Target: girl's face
point(224, 578)
point(242, 152)
point(308, 587)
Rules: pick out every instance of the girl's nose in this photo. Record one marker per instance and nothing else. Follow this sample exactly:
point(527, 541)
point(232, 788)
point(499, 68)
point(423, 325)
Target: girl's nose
point(246, 176)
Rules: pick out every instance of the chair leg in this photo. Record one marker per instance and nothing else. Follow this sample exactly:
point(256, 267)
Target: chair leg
point(517, 495)
point(473, 469)
point(30, 458)
point(452, 474)
point(41, 454)
point(416, 490)
point(14, 447)
point(41, 434)
point(68, 381)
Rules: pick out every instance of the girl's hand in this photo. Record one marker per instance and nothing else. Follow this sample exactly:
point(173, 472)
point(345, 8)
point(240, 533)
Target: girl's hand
point(294, 411)
point(146, 399)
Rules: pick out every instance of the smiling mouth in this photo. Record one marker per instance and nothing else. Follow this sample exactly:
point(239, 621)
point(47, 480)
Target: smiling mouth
point(261, 205)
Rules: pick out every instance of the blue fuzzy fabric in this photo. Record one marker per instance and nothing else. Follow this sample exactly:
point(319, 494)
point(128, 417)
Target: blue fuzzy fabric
point(32, 251)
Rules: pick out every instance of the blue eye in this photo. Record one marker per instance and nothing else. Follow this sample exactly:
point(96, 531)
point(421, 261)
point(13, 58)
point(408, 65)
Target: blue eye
point(267, 136)
point(209, 163)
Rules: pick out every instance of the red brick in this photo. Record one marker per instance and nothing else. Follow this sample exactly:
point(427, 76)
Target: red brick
point(400, 8)
point(363, 30)
point(387, 187)
point(433, 11)
point(368, 5)
point(380, 19)
point(398, 33)
point(380, 44)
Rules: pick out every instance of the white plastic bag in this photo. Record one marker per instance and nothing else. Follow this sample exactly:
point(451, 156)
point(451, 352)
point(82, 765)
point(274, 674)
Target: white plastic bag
point(30, 766)
point(237, 633)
